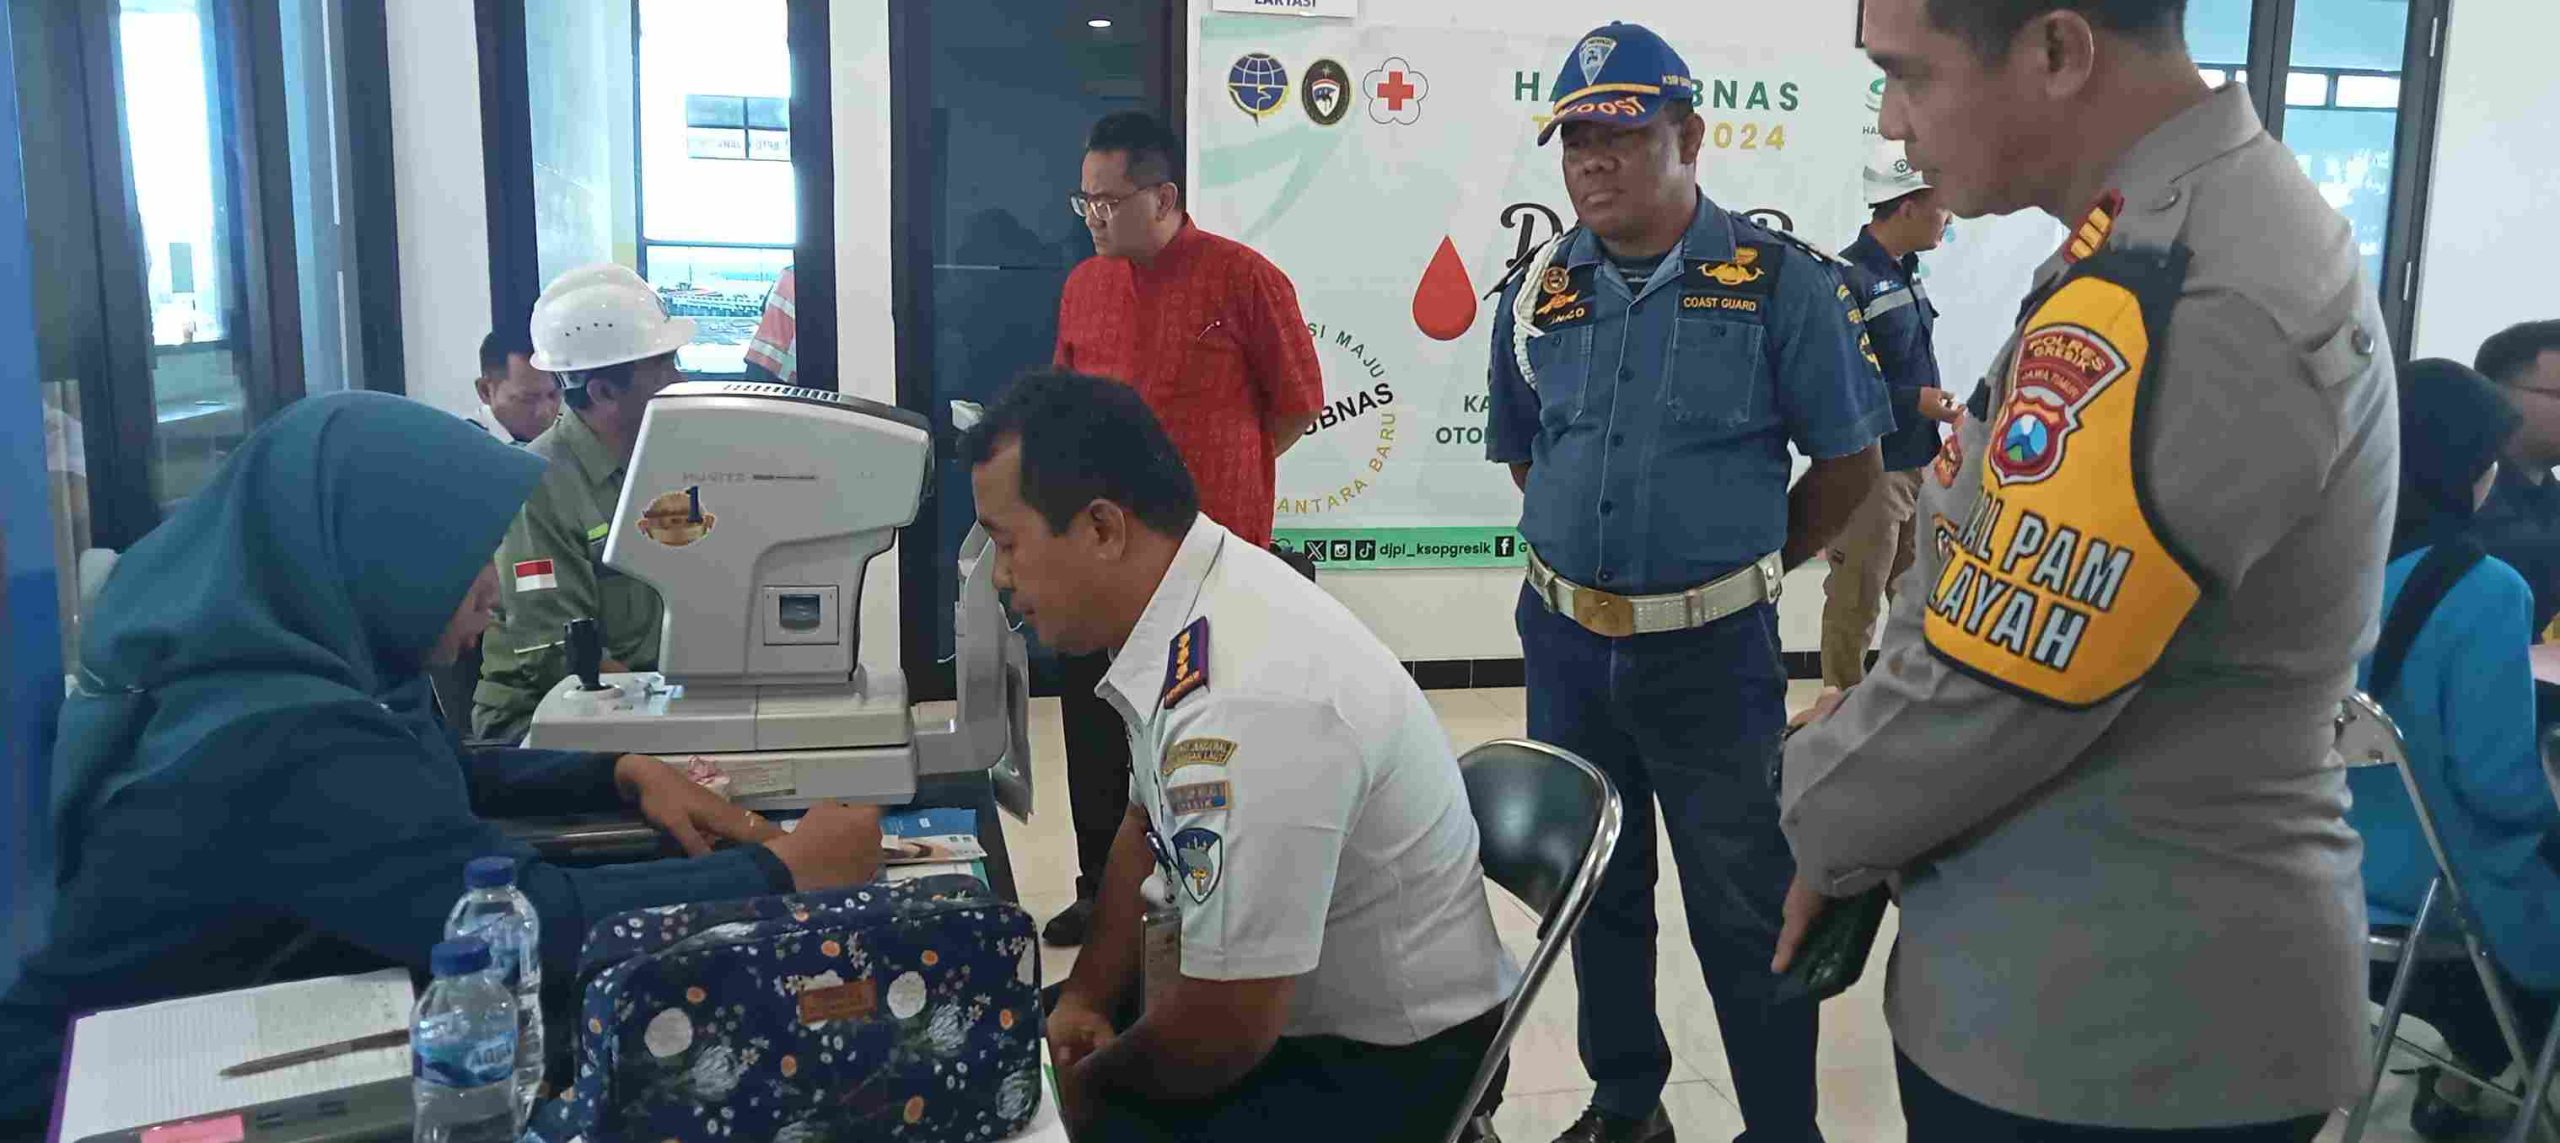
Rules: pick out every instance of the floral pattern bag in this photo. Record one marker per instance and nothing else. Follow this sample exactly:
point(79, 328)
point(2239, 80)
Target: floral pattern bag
point(899, 1011)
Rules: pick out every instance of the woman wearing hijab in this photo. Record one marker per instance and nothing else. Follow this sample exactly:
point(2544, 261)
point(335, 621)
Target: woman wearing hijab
point(252, 784)
point(2462, 693)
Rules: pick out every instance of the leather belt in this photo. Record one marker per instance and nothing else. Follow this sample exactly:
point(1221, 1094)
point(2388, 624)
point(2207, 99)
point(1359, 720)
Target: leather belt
point(1620, 616)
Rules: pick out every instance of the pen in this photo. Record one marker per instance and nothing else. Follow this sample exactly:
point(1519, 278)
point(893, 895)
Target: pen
point(314, 1055)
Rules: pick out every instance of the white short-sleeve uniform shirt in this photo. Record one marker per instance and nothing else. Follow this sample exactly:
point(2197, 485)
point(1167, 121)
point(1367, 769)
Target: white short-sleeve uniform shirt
point(1307, 810)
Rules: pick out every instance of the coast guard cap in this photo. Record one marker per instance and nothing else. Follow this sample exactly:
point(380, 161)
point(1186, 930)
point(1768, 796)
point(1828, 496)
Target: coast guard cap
point(1621, 74)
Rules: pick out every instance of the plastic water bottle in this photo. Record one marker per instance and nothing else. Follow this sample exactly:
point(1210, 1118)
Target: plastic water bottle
point(462, 1050)
point(497, 912)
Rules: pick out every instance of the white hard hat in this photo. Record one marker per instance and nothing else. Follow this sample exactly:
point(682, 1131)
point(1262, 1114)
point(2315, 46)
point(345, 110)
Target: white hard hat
point(1890, 174)
point(601, 315)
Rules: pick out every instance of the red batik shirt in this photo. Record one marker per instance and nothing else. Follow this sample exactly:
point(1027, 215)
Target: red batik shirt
point(1210, 335)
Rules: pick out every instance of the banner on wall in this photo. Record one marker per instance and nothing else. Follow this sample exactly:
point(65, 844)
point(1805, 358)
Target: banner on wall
point(1394, 174)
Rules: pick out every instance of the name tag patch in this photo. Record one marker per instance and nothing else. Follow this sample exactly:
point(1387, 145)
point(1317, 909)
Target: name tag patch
point(1564, 298)
point(1195, 752)
point(1727, 303)
point(1736, 289)
point(1199, 798)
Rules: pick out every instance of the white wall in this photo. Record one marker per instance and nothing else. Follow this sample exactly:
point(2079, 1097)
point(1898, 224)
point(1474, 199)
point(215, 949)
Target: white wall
point(1977, 279)
point(867, 354)
point(2488, 216)
point(442, 197)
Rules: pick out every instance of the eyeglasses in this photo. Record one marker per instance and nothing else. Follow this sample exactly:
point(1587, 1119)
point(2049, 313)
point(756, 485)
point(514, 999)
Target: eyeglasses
point(1098, 208)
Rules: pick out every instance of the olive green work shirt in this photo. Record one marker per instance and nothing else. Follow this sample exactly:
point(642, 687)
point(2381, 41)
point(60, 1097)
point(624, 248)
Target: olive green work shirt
point(550, 571)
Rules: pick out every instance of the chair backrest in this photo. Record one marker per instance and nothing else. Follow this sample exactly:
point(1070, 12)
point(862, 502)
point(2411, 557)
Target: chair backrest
point(2367, 736)
point(1546, 823)
point(1538, 810)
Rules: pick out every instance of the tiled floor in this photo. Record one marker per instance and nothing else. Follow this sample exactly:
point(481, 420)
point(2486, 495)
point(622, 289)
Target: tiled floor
point(1548, 1087)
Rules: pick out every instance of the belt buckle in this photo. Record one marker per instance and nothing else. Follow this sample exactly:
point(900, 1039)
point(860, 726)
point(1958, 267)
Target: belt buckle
point(1604, 614)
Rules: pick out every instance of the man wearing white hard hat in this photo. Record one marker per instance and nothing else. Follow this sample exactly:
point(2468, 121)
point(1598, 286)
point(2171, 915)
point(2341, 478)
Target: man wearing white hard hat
point(604, 332)
point(1884, 269)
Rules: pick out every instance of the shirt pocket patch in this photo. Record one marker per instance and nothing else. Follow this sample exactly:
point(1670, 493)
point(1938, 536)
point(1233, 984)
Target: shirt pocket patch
point(1562, 362)
point(1716, 375)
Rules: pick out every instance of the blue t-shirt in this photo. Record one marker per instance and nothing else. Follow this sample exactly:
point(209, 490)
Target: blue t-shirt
point(2464, 705)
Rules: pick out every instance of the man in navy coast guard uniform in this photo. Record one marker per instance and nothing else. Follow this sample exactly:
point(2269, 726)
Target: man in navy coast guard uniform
point(1650, 369)
point(1884, 272)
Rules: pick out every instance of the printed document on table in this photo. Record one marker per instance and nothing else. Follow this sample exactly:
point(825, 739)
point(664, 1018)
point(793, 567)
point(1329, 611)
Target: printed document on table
point(132, 1067)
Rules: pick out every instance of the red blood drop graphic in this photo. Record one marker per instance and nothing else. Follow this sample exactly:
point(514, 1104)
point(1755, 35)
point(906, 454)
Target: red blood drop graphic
point(1444, 305)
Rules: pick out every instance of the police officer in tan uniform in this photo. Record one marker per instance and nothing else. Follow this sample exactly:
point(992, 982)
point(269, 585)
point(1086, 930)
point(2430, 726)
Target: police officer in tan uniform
point(2095, 757)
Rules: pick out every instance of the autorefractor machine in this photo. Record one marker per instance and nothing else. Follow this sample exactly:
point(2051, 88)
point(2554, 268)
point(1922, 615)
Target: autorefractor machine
point(754, 511)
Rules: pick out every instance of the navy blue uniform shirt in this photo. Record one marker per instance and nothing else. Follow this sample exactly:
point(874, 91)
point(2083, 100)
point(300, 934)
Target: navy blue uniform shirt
point(1900, 321)
point(1660, 419)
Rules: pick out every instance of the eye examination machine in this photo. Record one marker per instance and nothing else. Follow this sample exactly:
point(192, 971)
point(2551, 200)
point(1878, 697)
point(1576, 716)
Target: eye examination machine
point(754, 511)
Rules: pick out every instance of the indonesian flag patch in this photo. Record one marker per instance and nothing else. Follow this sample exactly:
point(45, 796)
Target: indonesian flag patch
point(535, 575)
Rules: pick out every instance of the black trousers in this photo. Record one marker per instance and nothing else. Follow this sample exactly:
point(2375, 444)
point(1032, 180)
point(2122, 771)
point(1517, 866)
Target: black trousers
point(1097, 766)
point(1937, 1115)
point(1327, 1088)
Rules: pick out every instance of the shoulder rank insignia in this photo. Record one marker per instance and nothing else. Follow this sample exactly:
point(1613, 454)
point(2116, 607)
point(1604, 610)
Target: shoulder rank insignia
point(2094, 229)
point(1186, 667)
point(1743, 270)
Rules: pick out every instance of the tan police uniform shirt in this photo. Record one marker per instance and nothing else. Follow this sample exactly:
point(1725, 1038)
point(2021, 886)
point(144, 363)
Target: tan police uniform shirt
point(2096, 754)
point(550, 571)
point(1306, 809)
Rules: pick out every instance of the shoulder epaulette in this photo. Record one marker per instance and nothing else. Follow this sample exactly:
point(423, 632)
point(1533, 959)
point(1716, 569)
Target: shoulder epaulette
point(1819, 254)
point(1186, 666)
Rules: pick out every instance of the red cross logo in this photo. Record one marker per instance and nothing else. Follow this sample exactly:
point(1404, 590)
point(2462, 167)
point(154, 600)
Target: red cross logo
point(1396, 91)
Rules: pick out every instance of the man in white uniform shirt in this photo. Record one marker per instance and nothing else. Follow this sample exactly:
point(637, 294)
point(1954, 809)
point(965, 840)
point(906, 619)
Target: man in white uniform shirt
point(1335, 971)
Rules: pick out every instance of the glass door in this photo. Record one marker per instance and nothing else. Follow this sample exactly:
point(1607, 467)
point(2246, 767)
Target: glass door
point(719, 210)
point(187, 175)
point(172, 71)
point(660, 134)
point(2342, 109)
point(994, 148)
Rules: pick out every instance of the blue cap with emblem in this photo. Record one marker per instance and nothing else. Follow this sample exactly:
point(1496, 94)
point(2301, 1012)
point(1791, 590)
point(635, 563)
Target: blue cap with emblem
point(1622, 74)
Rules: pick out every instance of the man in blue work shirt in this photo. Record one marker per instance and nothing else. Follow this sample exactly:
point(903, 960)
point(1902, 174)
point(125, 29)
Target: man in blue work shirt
point(1650, 369)
point(1884, 273)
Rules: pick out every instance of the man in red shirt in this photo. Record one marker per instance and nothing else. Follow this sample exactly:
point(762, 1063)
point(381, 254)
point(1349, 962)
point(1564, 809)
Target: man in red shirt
point(1209, 333)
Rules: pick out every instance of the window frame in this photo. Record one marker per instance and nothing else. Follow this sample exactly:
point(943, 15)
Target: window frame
point(85, 216)
point(914, 127)
point(2414, 142)
point(506, 124)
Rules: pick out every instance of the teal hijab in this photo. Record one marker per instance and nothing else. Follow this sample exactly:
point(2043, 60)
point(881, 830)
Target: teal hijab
point(319, 567)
